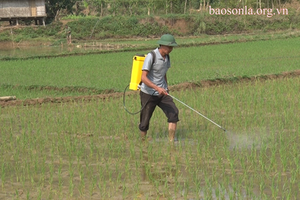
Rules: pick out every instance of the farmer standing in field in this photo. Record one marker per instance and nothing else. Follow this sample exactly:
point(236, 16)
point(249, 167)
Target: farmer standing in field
point(68, 33)
point(154, 88)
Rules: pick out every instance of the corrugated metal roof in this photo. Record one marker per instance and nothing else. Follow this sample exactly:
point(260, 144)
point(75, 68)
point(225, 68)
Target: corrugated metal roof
point(22, 8)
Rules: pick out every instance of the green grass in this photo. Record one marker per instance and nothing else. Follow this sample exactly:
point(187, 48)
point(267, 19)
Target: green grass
point(71, 16)
point(93, 150)
point(112, 70)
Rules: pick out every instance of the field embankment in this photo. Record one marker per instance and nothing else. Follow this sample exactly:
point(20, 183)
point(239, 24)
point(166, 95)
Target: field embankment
point(113, 94)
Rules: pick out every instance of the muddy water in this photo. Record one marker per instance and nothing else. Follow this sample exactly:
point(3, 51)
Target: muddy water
point(9, 50)
point(23, 52)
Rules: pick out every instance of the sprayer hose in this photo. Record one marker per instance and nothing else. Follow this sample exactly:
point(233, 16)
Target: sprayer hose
point(133, 113)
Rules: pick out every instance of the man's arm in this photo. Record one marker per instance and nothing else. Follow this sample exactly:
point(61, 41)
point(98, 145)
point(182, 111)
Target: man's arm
point(166, 79)
point(146, 81)
point(167, 83)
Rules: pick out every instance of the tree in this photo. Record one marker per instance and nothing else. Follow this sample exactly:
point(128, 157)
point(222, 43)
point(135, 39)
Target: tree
point(54, 7)
point(150, 5)
point(184, 10)
point(98, 5)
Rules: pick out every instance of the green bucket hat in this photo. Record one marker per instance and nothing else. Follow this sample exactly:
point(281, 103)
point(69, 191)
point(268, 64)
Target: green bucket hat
point(167, 40)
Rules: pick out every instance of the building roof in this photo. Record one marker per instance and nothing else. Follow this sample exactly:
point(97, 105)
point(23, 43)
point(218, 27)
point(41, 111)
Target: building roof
point(22, 9)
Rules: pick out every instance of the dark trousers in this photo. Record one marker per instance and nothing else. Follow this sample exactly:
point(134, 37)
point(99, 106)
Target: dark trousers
point(149, 103)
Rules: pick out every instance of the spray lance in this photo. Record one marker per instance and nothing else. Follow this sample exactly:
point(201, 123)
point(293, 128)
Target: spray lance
point(136, 76)
point(199, 113)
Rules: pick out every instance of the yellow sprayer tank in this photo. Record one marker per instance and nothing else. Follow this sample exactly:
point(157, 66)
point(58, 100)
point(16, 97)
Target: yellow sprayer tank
point(136, 73)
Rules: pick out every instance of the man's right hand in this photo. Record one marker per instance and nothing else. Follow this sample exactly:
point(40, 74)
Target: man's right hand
point(161, 91)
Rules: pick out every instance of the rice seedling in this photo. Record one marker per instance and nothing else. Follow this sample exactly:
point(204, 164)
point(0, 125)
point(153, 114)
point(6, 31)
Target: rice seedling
point(94, 74)
point(93, 150)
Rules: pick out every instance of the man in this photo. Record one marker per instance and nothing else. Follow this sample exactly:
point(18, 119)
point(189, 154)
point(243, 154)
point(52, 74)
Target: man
point(154, 88)
point(68, 33)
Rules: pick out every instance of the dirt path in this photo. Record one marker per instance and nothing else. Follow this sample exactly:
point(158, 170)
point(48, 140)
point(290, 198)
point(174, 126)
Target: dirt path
point(182, 86)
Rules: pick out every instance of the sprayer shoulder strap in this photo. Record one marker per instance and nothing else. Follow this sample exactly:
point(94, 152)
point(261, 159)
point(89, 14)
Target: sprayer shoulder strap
point(154, 57)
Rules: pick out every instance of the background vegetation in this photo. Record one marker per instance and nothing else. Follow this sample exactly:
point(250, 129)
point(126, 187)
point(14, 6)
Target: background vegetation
point(152, 7)
point(99, 19)
point(85, 28)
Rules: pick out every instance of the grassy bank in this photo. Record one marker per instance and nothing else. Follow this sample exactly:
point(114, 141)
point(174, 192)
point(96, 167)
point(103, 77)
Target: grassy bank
point(86, 28)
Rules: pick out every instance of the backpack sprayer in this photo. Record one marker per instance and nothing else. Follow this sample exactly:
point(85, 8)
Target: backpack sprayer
point(136, 77)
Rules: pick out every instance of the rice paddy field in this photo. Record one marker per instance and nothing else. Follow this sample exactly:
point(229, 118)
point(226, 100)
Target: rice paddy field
point(92, 149)
point(93, 74)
